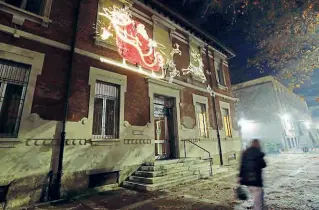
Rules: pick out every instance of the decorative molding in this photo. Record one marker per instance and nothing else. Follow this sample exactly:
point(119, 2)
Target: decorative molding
point(223, 87)
point(9, 143)
point(127, 3)
point(217, 53)
point(137, 132)
point(188, 129)
point(52, 142)
point(164, 84)
point(33, 37)
point(137, 141)
point(162, 22)
point(198, 42)
point(140, 15)
point(126, 124)
point(185, 41)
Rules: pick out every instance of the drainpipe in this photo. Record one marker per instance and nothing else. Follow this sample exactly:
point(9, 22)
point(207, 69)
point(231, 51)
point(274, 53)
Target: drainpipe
point(58, 176)
point(215, 111)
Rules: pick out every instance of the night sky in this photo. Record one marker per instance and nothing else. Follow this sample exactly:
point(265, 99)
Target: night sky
point(234, 36)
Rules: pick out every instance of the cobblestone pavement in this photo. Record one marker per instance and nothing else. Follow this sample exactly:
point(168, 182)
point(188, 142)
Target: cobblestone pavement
point(291, 183)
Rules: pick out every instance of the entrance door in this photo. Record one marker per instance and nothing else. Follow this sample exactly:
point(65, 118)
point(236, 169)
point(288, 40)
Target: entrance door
point(164, 122)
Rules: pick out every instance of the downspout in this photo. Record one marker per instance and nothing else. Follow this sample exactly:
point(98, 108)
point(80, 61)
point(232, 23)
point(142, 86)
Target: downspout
point(57, 181)
point(214, 110)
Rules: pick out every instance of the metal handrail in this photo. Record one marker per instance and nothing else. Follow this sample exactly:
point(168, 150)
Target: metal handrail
point(209, 156)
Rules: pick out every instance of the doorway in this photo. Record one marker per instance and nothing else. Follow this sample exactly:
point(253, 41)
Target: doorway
point(164, 127)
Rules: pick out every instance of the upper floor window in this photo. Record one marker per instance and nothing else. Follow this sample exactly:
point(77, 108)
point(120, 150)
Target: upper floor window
point(219, 72)
point(201, 119)
point(106, 111)
point(33, 6)
point(13, 84)
point(226, 122)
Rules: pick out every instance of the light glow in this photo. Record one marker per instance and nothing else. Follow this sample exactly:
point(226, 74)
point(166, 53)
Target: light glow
point(132, 40)
point(132, 68)
point(307, 124)
point(196, 70)
point(246, 125)
point(105, 34)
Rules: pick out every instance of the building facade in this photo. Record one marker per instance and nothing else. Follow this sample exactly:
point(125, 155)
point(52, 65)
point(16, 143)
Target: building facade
point(270, 111)
point(96, 87)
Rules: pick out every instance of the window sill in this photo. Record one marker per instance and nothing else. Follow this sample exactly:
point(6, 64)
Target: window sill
point(223, 87)
point(99, 42)
point(6, 143)
point(20, 15)
point(105, 140)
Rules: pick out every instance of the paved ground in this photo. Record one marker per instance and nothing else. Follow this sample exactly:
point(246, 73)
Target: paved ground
point(292, 183)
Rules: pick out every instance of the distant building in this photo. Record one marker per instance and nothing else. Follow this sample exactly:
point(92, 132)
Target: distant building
point(271, 112)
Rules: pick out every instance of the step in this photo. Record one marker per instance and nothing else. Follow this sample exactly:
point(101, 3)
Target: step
point(177, 166)
point(150, 174)
point(153, 180)
point(157, 186)
point(173, 161)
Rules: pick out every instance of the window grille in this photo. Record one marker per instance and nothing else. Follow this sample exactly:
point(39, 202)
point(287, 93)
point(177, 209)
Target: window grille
point(106, 111)
point(14, 79)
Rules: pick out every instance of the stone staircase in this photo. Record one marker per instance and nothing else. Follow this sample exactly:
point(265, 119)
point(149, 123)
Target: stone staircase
point(167, 173)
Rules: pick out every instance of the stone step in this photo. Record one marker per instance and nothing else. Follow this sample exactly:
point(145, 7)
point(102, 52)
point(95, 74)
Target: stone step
point(160, 179)
point(149, 174)
point(163, 172)
point(173, 161)
point(176, 166)
point(157, 186)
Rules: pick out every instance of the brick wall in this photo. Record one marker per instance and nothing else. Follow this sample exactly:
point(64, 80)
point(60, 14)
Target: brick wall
point(136, 97)
point(60, 29)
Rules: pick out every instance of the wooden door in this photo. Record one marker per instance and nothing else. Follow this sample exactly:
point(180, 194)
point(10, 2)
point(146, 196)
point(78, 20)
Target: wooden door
point(164, 126)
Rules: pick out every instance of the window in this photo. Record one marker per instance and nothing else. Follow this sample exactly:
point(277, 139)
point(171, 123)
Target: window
point(13, 84)
point(201, 119)
point(33, 6)
point(219, 72)
point(226, 122)
point(106, 111)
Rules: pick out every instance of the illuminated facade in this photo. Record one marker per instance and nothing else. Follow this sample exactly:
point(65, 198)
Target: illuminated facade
point(269, 111)
point(136, 86)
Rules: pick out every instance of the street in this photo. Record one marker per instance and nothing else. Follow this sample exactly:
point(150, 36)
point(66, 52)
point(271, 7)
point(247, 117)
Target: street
point(291, 183)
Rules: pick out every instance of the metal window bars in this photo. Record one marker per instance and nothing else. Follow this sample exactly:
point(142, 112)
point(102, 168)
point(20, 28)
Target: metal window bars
point(14, 78)
point(106, 111)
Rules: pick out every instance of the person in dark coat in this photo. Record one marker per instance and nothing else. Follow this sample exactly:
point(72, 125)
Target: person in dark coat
point(250, 173)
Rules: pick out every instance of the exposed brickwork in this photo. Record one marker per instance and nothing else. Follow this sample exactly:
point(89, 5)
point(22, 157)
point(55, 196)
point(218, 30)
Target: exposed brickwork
point(188, 109)
point(50, 86)
point(136, 97)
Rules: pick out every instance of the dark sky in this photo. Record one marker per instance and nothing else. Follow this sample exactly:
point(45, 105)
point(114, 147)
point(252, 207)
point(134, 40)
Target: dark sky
point(234, 36)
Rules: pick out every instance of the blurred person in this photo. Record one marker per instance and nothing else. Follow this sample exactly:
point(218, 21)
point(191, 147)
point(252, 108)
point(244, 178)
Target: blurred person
point(250, 174)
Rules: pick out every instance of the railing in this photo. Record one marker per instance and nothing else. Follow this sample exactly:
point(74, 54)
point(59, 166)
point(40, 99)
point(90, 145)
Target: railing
point(209, 156)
